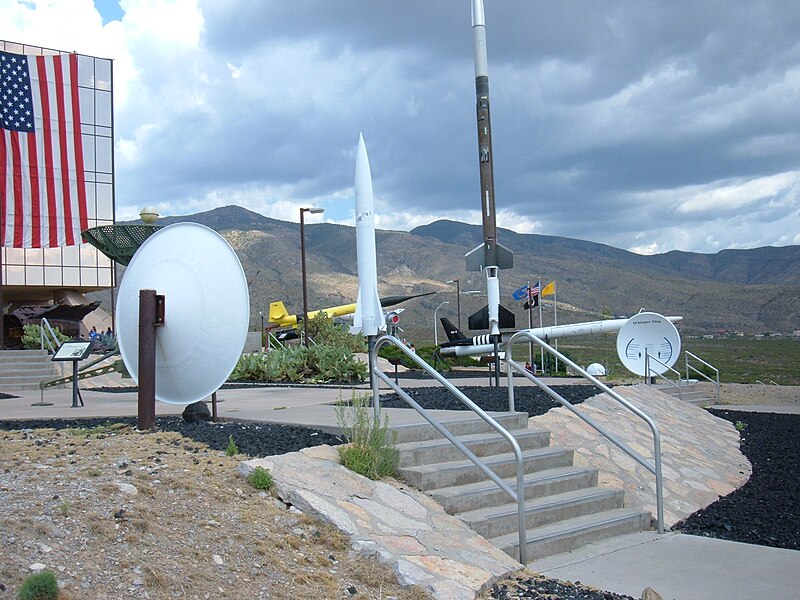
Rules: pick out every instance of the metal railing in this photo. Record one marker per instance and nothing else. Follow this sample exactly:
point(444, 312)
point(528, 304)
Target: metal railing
point(655, 468)
point(47, 335)
point(715, 381)
point(519, 495)
point(649, 372)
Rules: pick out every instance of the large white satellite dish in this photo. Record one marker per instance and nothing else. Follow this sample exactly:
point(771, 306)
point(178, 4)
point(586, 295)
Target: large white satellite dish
point(649, 333)
point(207, 310)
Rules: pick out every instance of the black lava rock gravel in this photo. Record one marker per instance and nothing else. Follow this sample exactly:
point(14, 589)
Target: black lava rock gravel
point(253, 439)
point(527, 399)
point(766, 509)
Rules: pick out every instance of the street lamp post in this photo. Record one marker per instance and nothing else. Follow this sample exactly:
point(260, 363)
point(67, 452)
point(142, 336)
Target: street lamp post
point(313, 211)
point(435, 330)
point(458, 299)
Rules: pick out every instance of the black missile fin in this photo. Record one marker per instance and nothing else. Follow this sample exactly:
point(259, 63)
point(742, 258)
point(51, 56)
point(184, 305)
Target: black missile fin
point(480, 319)
point(452, 332)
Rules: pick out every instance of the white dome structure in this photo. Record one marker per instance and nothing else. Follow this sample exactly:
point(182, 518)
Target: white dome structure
point(596, 369)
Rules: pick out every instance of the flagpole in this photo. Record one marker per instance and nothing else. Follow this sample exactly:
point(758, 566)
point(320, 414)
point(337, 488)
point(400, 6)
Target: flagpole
point(530, 323)
point(555, 314)
point(540, 320)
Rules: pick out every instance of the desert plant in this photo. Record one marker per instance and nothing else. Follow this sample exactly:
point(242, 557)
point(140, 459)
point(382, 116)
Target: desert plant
point(260, 478)
point(39, 586)
point(740, 425)
point(31, 336)
point(325, 332)
point(317, 364)
point(232, 449)
point(371, 450)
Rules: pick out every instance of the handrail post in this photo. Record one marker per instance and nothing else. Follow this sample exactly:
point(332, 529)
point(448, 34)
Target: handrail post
point(519, 495)
point(655, 468)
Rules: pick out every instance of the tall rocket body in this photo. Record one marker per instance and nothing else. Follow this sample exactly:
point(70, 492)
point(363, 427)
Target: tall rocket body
point(368, 318)
point(489, 256)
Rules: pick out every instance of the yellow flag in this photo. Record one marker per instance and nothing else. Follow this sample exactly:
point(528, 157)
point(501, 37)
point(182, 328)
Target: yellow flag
point(549, 289)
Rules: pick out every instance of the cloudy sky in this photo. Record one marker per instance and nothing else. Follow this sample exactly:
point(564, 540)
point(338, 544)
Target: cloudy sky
point(649, 126)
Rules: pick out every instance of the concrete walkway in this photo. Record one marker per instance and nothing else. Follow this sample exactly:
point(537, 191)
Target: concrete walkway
point(677, 566)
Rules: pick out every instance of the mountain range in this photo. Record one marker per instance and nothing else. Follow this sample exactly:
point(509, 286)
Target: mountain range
point(752, 291)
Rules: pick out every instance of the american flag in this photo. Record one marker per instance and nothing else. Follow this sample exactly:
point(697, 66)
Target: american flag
point(42, 181)
point(534, 290)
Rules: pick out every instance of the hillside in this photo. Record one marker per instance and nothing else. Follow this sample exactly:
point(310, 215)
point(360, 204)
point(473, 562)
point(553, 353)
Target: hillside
point(739, 290)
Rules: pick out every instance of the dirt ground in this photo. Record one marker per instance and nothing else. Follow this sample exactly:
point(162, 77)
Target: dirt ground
point(754, 393)
point(122, 514)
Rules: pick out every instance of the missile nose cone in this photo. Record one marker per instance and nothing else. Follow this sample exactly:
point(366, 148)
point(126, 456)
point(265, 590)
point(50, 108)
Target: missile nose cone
point(478, 17)
point(363, 179)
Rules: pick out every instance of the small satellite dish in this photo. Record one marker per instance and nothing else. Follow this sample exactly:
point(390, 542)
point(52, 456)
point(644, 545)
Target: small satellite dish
point(596, 370)
point(207, 310)
point(650, 333)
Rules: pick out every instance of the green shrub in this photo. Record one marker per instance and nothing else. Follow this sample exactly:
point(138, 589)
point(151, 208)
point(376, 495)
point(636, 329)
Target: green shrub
point(316, 364)
point(325, 332)
point(232, 449)
point(31, 336)
point(39, 586)
point(372, 451)
point(261, 479)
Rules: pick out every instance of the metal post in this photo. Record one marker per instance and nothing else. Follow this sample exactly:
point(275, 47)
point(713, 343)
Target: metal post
point(303, 274)
point(435, 329)
point(313, 211)
point(76, 393)
point(148, 307)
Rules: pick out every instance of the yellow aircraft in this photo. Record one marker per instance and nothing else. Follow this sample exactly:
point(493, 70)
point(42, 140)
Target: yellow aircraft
point(281, 317)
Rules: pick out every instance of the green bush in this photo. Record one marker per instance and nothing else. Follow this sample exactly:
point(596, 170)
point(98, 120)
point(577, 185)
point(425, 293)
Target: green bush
point(261, 479)
point(325, 332)
point(232, 449)
point(39, 586)
point(316, 364)
point(31, 336)
point(372, 451)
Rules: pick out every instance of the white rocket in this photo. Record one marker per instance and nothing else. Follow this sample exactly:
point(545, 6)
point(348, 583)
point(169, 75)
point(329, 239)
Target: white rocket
point(368, 318)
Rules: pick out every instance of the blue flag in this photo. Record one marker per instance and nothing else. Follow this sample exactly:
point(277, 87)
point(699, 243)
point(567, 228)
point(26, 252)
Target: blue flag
point(521, 293)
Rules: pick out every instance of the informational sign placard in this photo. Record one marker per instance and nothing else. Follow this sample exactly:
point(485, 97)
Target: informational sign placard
point(648, 333)
point(74, 350)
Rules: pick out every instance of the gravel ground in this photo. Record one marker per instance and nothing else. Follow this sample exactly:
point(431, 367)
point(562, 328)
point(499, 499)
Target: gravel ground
point(764, 511)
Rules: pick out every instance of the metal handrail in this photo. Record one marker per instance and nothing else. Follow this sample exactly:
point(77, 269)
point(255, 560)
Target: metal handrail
point(519, 495)
point(655, 468)
point(274, 340)
point(715, 381)
point(649, 372)
point(48, 334)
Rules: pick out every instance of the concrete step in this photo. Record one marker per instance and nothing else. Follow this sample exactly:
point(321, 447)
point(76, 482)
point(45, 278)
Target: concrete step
point(12, 355)
point(440, 475)
point(468, 425)
point(569, 534)
point(26, 368)
point(472, 496)
point(496, 521)
point(481, 444)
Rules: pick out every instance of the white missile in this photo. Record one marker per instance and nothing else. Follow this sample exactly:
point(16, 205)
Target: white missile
point(368, 318)
point(543, 333)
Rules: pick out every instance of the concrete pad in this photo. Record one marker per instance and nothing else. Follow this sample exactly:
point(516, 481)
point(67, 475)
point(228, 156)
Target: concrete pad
point(679, 567)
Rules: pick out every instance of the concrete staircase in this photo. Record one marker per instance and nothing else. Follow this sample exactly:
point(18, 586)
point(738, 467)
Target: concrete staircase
point(691, 392)
point(22, 370)
point(564, 506)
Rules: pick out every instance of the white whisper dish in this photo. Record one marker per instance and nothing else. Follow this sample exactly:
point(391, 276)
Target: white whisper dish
point(648, 333)
point(207, 310)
